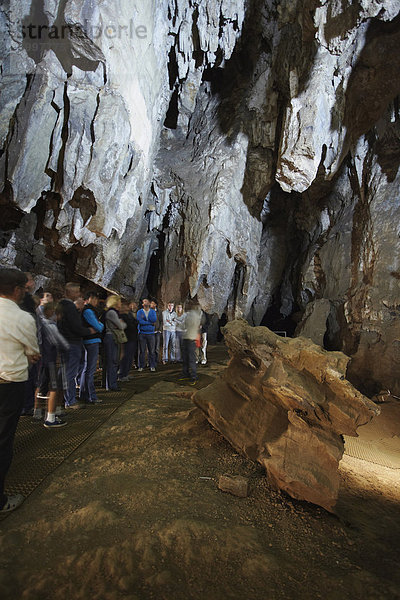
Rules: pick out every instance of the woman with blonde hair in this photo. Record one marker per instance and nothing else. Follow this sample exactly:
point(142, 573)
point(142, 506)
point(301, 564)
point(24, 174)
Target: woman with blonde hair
point(179, 331)
point(114, 337)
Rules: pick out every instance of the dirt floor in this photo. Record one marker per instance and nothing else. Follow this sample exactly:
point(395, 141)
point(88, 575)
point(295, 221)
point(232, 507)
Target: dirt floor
point(135, 513)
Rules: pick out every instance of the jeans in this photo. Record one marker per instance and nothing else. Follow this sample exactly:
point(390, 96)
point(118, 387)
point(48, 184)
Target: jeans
point(168, 340)
point(87, 390)
point(189, 367)
point(112, 358)
point(11, 402)
point(72, 361)
point(157, 346)
point(130, 352)
point(81, 367)
point(178, 345)
point(147, 340)
point(203, 348)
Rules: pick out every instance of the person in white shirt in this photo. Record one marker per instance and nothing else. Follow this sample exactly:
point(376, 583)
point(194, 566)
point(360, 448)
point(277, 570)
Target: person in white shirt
point(190, 335)
point(169, 317)
point(18, 349)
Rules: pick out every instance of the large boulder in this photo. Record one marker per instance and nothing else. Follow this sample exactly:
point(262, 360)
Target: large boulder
point(286, 404)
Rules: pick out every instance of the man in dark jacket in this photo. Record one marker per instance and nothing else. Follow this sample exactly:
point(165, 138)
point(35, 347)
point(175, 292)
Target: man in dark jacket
point(71, 327)
point(28, 303)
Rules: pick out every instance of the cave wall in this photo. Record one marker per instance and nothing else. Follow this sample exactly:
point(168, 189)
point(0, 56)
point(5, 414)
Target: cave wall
point(245, 151)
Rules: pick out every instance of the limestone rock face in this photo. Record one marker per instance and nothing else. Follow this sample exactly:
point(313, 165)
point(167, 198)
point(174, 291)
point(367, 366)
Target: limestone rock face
point(244, 151)
point(315, 112)
point(286, 403)
point(313, 325)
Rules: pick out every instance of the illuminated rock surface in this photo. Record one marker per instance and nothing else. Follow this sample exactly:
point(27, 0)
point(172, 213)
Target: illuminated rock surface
point(286, 404)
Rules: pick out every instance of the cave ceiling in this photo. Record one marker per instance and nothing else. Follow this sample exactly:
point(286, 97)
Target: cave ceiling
point(243, 152)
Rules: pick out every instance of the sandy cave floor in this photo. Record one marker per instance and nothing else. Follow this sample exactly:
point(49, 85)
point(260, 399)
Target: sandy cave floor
point(130, 515)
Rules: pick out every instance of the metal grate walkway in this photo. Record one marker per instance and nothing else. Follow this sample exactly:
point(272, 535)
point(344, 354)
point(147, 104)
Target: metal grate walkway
point(39, 451)
point(384, 452)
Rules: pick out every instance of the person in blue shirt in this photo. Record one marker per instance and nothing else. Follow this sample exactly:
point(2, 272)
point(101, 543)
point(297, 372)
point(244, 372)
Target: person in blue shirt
point(146, 318)
point(87, 392)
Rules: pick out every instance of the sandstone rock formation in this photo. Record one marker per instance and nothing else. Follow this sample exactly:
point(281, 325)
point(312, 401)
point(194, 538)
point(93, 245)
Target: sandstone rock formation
point(286, 404)
point(244, 151)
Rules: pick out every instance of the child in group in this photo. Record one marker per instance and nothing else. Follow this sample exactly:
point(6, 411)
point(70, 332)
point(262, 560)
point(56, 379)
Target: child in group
point(50, 381)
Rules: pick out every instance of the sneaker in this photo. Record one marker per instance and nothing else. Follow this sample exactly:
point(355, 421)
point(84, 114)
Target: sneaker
point(95, 401)
point(123, 378)
point(183, 378)
point(152, 369)
point(75, 406)
point(37, 418)
point(193, 382)
point(140, 369)
point(204, 362)
point(54, 424)
point(164, 362)
point(12, 503)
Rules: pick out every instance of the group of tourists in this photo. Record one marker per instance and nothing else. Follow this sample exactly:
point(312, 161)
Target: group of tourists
point(171, 329)
point(50, 351)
